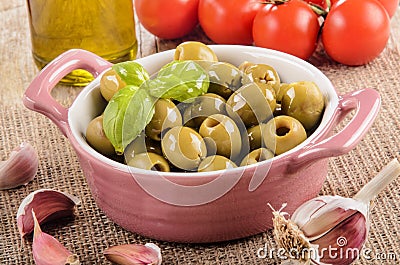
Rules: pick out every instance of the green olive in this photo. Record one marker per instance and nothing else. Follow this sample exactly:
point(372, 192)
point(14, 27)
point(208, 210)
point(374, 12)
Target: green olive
point(269, 94)
point(256, 156)
point(166, 115)
point(283, 133)
point(193, 50)
point(262, 73)
point(149, 161)
point(255, 136)
point(141, 144)
point(202, 107)
point(217, 162)
point(281, 91)
point(110, 83)
point(305, 102)
point(250, 104)
point(153, 146)
point(243, 66)
point(183, 147)
point(224, 79)
point(96, 137)
point(225, 133)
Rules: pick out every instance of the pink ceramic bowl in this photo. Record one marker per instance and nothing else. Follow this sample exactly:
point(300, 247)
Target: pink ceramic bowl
point(212, 206)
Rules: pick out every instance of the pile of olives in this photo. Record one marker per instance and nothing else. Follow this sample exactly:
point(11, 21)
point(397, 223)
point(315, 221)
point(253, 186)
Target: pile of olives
point(247, 115)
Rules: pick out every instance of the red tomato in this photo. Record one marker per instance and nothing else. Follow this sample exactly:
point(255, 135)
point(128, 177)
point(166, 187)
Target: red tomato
point(228, 21)
point(356, 31)
point(390, 6)
point(167, 19)
point(291, 27)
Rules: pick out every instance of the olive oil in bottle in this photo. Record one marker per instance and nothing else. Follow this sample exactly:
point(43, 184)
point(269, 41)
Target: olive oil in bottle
point(104, 27)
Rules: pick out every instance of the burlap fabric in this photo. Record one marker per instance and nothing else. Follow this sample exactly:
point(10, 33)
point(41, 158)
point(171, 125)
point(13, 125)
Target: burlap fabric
point(90, 231)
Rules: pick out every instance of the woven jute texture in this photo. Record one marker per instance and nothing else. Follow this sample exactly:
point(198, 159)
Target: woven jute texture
point(90, 232)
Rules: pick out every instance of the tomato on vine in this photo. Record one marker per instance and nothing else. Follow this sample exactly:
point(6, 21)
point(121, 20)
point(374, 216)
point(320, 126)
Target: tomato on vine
point(167, 19)
point(228, 21)
point(355, 31)
point(288, 26)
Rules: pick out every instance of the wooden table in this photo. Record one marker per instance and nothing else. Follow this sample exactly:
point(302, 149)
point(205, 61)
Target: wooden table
point(59, 167)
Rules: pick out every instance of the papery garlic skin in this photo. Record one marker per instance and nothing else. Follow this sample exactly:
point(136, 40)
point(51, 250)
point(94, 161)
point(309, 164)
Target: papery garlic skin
point(48, 204)
point(134, 254)
point(20, 168)
point(47, 250)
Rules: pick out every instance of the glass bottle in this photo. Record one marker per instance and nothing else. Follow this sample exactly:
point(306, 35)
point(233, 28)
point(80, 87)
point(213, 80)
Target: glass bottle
point(104, 27)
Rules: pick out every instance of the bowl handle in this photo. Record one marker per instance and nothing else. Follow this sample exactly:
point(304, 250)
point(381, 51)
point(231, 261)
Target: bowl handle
point(366, 102)
point(37, 96)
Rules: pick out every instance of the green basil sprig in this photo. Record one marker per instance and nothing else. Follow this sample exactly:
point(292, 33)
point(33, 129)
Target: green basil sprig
point(132, 108)
point(179, 80)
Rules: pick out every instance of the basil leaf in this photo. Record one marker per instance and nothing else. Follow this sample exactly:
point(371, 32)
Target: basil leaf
point(131, 72)
point(126, 115)
point(138, 114)
point(179, 80)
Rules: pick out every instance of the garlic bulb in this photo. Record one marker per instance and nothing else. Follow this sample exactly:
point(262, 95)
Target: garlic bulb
point(331, 229)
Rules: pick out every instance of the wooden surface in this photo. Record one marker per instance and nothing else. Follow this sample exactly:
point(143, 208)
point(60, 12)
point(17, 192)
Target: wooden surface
point(91, 231)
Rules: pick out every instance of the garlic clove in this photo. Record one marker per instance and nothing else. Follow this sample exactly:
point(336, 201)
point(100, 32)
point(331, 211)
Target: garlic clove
point(343, 244)
point(48, 204)
point(47, 250)
point(329, 211)
point(134, 254)
point(19, 168)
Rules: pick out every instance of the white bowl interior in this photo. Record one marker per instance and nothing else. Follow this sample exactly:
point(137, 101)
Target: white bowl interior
point(90, 104)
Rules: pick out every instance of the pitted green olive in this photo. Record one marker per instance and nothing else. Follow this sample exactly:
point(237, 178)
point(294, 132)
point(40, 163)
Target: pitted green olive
point(263, 73)
point(193, 50)
point(250, 104)
point(96, 137)
point(149, 161)
point(225, 133)
point(217, 162)
point(305, 102)
point(283, 133)
point(110, 83)
point(183, 147)
point(202, 107)
point(224, 79)
point(255, 136)
point(141, 144)
point(256, 156)
point(166, 115)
